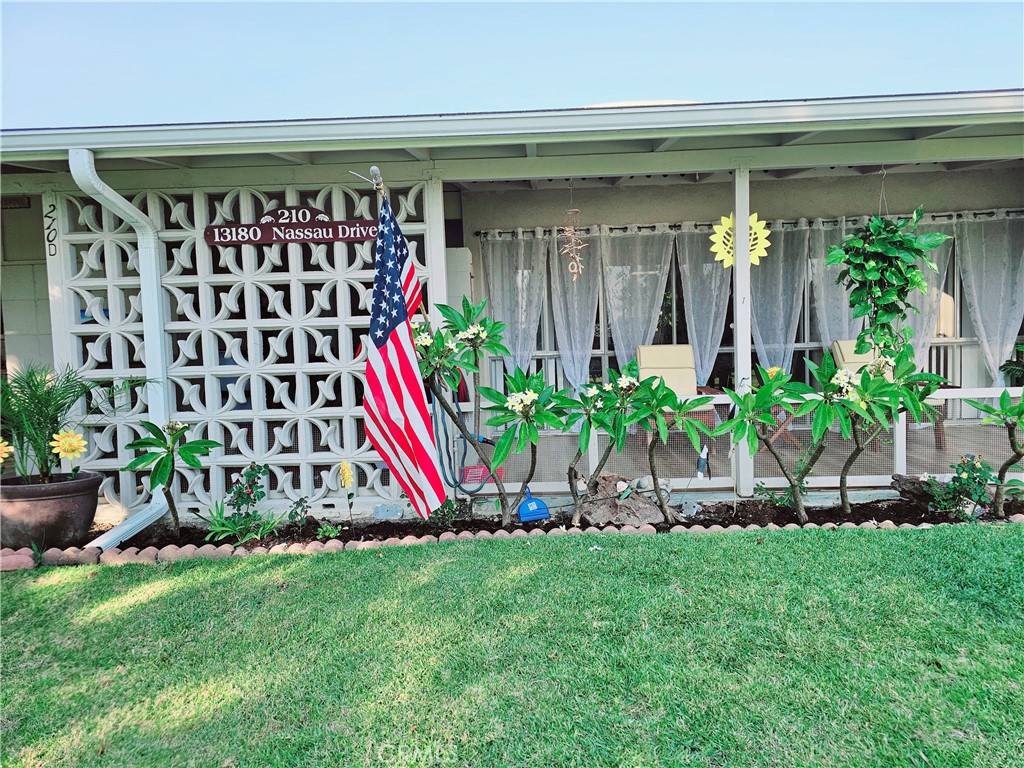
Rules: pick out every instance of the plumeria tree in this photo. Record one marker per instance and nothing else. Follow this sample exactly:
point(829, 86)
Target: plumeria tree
point(756, 421)
point(1010, 416)
point(160, 452)
point(590, 411)
point(656, 403)
point(527, 406)
point(446, 355)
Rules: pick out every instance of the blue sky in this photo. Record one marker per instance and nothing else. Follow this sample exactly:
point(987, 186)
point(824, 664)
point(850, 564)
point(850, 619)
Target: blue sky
point(125, 63)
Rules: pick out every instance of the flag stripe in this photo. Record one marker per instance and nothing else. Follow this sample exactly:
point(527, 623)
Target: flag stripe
point(397, 420)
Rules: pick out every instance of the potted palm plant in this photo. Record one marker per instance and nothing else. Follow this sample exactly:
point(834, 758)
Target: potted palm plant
point(41, 505)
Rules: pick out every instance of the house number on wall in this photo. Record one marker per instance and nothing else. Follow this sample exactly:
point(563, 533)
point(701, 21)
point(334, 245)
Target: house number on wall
point(293, 224)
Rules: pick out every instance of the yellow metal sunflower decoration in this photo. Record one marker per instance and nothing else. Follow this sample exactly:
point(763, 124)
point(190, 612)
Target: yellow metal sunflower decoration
point(723, 241)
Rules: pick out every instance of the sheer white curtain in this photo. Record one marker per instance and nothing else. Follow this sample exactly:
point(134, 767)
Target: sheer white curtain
point(930, 302)
point(777, 294)
point(635, 271)
point(833, 317)
point(706, 288)
point(991, 258)
point(574, 308)
point(515, 270)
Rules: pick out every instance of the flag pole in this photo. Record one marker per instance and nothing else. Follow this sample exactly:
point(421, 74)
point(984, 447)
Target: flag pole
point(378, 181)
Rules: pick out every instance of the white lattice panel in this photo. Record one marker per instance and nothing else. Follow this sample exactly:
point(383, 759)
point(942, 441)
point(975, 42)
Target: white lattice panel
point(261, 341)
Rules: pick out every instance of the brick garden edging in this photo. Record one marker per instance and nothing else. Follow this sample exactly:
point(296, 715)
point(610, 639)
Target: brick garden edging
point(22, 559)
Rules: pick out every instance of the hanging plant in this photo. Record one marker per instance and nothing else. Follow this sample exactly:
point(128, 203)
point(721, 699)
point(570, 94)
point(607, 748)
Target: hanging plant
point(723, 241)
point(881, 268)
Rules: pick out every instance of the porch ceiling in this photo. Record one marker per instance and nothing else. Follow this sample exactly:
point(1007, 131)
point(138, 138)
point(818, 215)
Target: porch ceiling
point(613, 146)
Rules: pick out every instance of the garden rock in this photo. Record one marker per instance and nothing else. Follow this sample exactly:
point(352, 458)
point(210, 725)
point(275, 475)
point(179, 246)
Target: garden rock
point(914, 490)
point(634, 510)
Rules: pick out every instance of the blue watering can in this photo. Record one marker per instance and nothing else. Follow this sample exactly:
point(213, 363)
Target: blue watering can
point(533, 509)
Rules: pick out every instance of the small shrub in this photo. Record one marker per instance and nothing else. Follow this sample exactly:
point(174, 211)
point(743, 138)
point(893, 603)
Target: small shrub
point(968, 485)
point(328, 531)
point(244, 526)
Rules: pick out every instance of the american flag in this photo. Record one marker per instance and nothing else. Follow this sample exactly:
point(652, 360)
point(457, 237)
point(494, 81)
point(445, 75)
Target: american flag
point(397, 422)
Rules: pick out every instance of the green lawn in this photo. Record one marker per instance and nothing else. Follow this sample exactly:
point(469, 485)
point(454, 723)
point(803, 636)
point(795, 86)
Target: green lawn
point(808, 648)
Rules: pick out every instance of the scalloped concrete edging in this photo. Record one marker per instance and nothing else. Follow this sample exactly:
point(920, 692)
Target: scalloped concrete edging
point(24, 558)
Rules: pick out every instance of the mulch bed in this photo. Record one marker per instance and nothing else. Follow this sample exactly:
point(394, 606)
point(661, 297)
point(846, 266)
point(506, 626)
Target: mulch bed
point(744, 512)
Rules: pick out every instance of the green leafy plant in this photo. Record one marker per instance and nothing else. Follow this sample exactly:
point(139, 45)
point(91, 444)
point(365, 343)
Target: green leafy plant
point(591, 410)
point(328, 531)
point(1013, 368)
point(243, 526)
point(445, 355)
point(443, 517)
point(1010, 416)
point(881, 268)
point(967, 486)
point(37, 426)
point(247, 491)
point(652, 400)
point(160, 452)
point(883, 391)
point(527, 405)
point(298, 510)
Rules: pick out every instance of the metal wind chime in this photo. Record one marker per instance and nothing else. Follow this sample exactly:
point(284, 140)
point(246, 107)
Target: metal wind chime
point(573, 245)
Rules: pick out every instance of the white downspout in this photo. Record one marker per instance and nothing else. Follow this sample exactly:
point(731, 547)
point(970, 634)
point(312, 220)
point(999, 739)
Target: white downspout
point(83, 170)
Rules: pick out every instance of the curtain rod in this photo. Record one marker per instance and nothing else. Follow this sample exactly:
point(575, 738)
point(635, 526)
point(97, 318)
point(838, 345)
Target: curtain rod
point(936, 218)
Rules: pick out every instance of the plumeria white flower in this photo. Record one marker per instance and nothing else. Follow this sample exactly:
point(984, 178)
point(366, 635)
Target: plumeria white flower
point(628, 382)
point(592, 391)
point(608, 387)
point(417, 324)
point(451, 344)
point(423, 340)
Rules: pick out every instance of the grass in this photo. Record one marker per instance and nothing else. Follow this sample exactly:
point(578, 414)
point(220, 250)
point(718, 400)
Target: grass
point(786, 649)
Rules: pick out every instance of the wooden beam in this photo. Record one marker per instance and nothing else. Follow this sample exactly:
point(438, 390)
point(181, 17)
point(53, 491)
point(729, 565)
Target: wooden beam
point(667, 144)
point(296, 158)
point(531, 150)
point(621, 181)
point(423, 155)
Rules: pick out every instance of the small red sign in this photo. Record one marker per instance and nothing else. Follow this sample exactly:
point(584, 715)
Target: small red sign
point(477, 472)
point(292, 224)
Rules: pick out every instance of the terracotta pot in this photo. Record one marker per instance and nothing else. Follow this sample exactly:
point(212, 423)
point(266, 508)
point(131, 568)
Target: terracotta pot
point(55, 514)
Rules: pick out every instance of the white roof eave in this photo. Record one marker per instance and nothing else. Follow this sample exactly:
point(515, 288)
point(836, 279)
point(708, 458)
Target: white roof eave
point(587, 124)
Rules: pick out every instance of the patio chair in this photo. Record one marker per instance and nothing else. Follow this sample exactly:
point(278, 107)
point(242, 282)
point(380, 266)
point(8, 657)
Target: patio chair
point(674, 364)
point(845, 355)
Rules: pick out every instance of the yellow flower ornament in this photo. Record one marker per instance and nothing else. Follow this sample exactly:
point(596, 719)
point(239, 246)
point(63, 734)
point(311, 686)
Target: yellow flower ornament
point(5, 451)
point(723, 241)
point(345, 472)
point(68, 445)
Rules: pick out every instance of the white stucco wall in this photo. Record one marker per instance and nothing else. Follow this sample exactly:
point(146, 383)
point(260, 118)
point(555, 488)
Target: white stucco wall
point(23, 286)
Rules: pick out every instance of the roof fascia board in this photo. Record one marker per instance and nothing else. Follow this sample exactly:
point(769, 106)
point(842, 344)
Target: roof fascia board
point(533, 127)
point(703, 161)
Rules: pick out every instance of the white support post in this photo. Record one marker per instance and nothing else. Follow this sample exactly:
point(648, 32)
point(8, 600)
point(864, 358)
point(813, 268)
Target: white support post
point(741, 317)
point(56, 277)
point(434, 258)
point(899, 448)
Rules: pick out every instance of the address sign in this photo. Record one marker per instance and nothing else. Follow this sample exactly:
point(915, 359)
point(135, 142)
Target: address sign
point(292, 224)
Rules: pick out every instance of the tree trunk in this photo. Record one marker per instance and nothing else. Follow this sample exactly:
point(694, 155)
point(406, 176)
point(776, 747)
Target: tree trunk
point(794, 482)
point(169, 497)
point(1018, 453)
point(573, 477)
point(522, 489)
point(662, 501)
point(861, 445)
point(592, 485)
